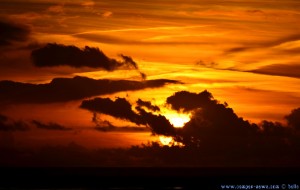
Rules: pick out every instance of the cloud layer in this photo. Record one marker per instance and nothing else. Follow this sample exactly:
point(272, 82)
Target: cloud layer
point(66, 89)
point(212, 124)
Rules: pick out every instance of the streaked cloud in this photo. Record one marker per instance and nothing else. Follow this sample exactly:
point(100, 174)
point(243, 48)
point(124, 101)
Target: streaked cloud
point(289, 70)
point(50, 126)
point(67, 89)
point(267, 44)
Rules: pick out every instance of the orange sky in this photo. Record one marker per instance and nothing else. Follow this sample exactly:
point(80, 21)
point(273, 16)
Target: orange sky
point(244, 52)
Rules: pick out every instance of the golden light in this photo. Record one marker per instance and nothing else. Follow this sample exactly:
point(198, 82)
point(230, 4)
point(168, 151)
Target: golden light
point(166, 141)
point(169, 141)
point(178, 119)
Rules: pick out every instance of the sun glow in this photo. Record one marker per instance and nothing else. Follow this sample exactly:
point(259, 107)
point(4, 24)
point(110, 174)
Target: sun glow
point(178, 120)
point(169, 141)
point(165, 140)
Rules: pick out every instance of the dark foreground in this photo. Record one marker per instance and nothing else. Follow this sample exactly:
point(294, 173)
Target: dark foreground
point(149, 178)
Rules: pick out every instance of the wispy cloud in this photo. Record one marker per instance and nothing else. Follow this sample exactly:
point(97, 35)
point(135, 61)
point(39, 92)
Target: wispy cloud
point(143, 29)
point(266, 44)
point(50, 126)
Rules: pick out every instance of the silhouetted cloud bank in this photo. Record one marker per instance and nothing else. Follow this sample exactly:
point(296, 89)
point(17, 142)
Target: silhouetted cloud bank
point(122, 109)
point(215, 136)
point(215, 125)
point(66, 89)
point(209, 118)
point(52, 55)
point(188, 101)
point(293, 119)
point(212, 123)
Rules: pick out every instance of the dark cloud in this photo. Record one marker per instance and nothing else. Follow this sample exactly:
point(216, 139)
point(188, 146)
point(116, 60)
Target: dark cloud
point(121, 129)
point(158, 124)
point(8, 124)
point(122, 109)
point(266, 44)
point(99, 122)
point(215, 127)
point(54, 54)
point(50, 126)
point(293, 119)
point(209, 118)
point(66, 89)
point(276, 129)
point(188, 101)
point(10, 33)
point(289, 70)
point(148, 105)
point(127, 60)
point(106, 126)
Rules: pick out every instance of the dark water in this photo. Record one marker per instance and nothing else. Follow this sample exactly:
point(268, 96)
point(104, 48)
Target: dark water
point(79, 178)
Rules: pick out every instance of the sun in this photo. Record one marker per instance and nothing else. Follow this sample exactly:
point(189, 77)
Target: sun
point(178, 119)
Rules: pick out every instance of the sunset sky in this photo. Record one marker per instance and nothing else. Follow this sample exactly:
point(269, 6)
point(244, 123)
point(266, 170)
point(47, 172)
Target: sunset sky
point(245, 52)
